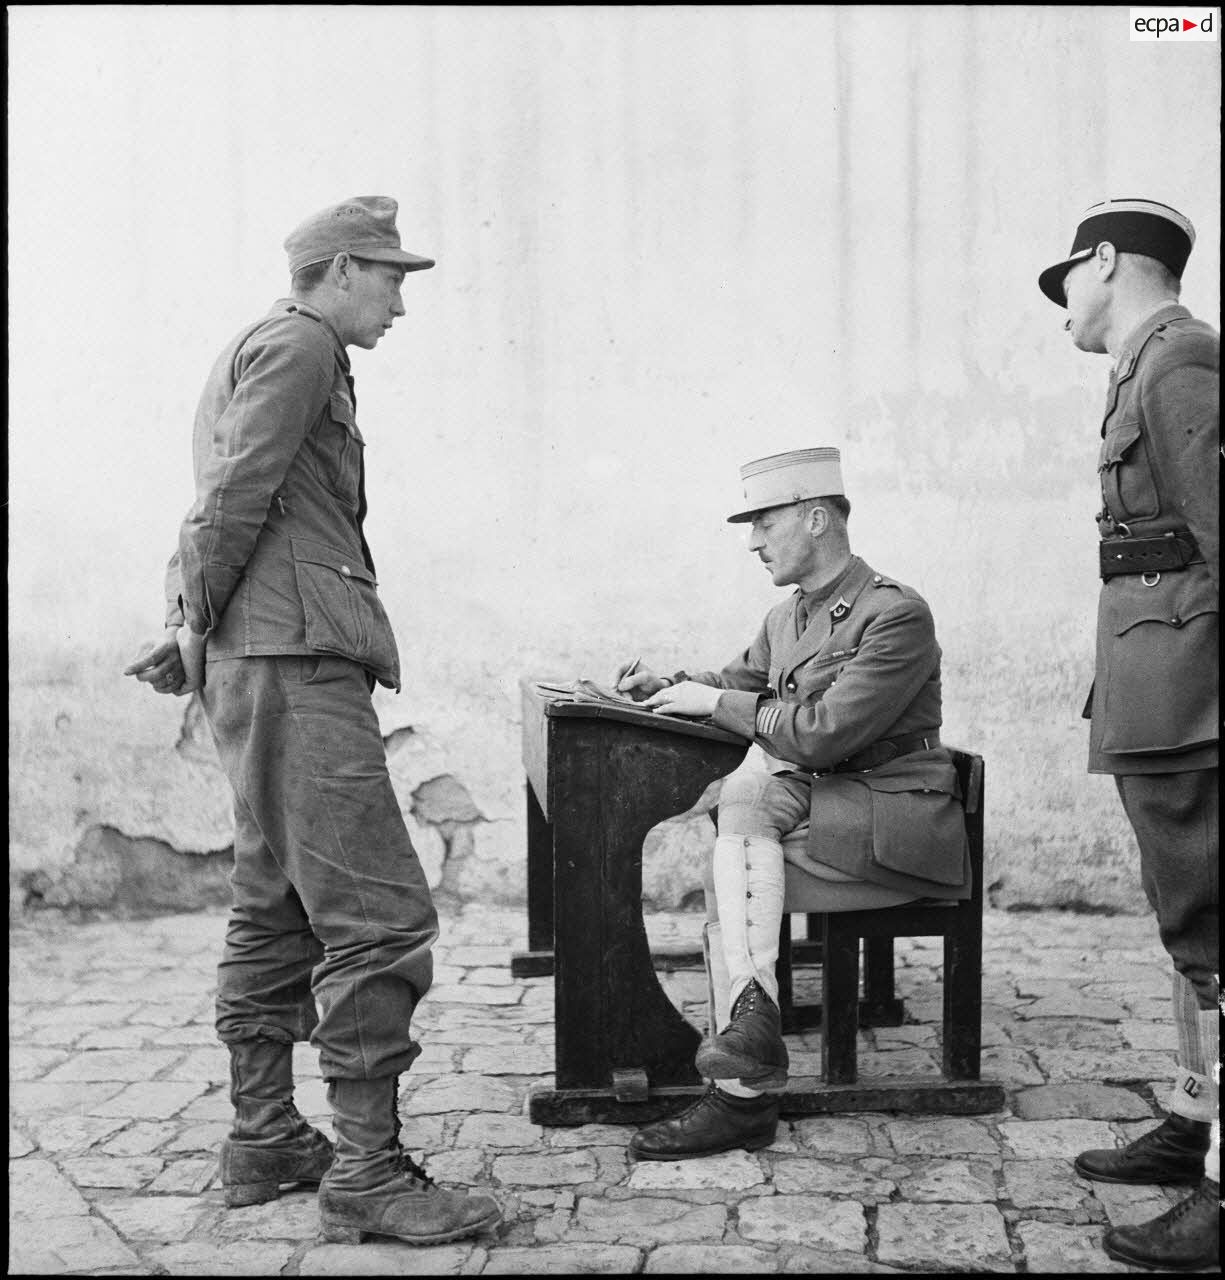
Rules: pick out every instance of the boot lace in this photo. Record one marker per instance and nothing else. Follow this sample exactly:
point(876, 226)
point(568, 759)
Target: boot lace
point(746, 1001)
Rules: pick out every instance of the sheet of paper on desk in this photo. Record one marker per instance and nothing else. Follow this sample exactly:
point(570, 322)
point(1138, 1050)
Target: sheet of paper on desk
point(588, 691)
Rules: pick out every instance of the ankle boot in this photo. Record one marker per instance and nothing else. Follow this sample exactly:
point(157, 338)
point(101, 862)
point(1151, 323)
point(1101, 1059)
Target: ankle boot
point(716, 1122)
point(1184, 1238)
point(1172, 1153)
point(750, 1048)
point(270, 1143)
point(374, 1188)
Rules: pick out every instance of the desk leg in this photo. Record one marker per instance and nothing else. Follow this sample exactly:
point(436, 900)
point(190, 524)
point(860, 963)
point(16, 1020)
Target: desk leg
point(537, 960)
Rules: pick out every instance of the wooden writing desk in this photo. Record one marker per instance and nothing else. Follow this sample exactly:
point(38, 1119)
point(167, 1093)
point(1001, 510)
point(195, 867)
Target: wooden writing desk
point(598, 779)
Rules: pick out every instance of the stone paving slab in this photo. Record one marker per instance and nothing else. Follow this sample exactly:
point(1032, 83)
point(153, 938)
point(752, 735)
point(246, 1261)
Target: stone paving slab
point(118, 1105)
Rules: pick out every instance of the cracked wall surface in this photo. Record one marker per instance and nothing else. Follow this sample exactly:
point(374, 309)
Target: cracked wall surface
point(118, 803)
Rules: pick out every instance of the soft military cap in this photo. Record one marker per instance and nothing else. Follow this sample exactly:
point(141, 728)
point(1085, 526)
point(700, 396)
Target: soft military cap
point(784, 478)
point(364, 226)
point(1132, 226)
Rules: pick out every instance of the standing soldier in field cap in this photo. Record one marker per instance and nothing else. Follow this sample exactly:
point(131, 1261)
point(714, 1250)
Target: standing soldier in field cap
point(274, 618)
point(1154, 703)
point(841, 690)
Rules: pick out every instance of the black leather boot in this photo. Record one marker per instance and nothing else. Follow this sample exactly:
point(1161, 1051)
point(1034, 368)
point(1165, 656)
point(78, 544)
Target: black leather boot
point(716, 1122)
point(270, 1144)
point(1172, 1153)
point(750, 1048)
point(1185, 1238)
point(374, 1188)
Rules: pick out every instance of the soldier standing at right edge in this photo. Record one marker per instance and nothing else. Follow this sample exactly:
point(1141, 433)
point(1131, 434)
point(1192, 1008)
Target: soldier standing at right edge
point(1154, 703)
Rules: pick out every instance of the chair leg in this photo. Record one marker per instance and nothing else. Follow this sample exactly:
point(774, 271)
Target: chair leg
point(880, 1008)
point(963, 996)
point(840, 1002)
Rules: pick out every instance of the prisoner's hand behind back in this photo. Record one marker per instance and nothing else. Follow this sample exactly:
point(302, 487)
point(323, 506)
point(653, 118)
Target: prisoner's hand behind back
point(159, 664)
point(191, 652)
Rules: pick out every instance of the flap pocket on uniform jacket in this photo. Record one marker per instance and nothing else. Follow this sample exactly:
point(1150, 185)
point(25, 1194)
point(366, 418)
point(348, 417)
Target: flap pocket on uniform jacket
point(308, 551)
point(1118, 443)
point(1161, 675)
point(341, 607)
point(918, 832)
point(1127, 481)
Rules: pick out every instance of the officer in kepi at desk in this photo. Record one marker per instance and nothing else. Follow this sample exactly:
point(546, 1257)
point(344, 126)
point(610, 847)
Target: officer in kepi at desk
point(841, 689)
point(1154, 705)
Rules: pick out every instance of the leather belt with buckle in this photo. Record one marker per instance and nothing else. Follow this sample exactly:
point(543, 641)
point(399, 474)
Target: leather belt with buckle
point(1163, 554)
point(882, 752)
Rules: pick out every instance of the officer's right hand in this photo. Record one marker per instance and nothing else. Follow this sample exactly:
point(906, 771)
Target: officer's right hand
point(640, 685)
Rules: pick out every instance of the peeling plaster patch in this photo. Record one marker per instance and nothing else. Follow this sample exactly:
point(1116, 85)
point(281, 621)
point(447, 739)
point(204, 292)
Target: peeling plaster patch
point(445, 806)
point(444, 799)
point(132, 877)
point(397, 738)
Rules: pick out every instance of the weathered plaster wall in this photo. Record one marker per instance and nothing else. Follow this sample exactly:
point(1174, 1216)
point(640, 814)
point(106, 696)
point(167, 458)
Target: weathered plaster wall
point(669, 239)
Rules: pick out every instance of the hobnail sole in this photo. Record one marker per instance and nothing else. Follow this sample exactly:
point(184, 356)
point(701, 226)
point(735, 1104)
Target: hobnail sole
point(717, 1065)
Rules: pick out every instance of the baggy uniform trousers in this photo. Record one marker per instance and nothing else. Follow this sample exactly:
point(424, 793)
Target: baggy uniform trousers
point(332, 925)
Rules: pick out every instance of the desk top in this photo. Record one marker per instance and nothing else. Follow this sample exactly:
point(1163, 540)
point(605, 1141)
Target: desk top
point(556, 706)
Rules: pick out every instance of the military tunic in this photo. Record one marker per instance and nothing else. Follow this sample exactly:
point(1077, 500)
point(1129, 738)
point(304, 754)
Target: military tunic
point(862, 673)
point(1155, 700)
point(1154, 706)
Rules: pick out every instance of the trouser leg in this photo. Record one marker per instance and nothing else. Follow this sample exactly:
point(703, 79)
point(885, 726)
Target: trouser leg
point(1176, 820)
point(270, 953)
point(300, 742)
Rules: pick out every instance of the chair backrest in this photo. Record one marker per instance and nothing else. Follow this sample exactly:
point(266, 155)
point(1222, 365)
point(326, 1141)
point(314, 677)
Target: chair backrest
point(970, 771)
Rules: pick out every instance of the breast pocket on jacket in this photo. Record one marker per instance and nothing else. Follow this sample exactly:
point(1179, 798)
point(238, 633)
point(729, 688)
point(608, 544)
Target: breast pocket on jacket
point(1127, 479)
point(338, 449)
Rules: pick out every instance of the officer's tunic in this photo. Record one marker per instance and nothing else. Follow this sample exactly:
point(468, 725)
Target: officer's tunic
point(862, 673)
point(1155, 699)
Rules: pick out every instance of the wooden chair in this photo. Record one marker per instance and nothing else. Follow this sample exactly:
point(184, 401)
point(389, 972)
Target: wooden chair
point(842, 1012)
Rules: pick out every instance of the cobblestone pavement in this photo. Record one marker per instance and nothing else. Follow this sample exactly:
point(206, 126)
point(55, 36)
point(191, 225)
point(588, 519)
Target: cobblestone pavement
point(119, 1099)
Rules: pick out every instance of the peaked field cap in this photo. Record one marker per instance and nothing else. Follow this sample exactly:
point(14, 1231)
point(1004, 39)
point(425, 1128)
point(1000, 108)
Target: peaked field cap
point(364, 226)
point(784, 478)
point(1132, 226)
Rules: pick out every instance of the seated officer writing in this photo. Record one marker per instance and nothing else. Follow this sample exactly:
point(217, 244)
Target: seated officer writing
point(841, 688)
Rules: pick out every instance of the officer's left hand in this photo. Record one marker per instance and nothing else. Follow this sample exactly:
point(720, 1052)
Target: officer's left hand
point(689, 698)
